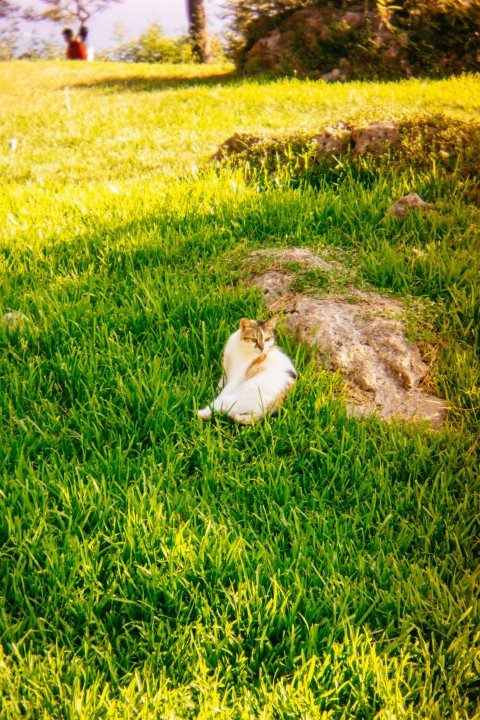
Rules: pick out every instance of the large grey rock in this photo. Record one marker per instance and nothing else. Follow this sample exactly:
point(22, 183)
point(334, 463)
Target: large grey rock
point(362, 335)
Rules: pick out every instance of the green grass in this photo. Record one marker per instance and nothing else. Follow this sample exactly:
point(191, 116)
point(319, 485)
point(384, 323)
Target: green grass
point(310, 566)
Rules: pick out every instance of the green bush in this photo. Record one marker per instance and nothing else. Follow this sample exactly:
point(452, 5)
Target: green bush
point(441, 37)
point(409, 37)
point(153, 47)
point(250, 21)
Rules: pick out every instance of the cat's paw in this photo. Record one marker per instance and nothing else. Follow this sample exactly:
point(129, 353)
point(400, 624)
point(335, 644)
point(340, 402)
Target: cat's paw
point(205, 413)
point(244, 418)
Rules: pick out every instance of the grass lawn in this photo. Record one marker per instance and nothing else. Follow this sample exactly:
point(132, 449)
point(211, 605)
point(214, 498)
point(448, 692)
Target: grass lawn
point(152, 566)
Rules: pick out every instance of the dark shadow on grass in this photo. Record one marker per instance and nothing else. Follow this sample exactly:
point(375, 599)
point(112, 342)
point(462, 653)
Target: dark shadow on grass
point(142, 84)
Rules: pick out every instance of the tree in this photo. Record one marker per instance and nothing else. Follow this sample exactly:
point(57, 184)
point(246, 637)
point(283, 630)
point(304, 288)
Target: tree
point(8, 9)
point(67, 11)
point(198, 31)
point(9, 32)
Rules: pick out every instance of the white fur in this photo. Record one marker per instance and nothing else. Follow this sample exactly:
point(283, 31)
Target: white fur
point(248, 399)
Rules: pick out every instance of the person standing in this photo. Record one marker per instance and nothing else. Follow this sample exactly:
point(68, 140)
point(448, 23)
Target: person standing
point(83, 35)
point(75, 48)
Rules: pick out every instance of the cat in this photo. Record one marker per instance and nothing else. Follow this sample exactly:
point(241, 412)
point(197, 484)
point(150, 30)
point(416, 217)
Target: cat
point(256, 374)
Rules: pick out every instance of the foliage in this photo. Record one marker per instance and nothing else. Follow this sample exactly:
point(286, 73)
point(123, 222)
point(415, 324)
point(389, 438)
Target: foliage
point(9, 37)
point(153, 47)
point(31, 46)
point(66, 11)
point(41, 49)
point(8, 9)
point(438, 36)
point(9, 30)
point(424, 37)
point(454, 146)
point(312, 565)
point(250, 21)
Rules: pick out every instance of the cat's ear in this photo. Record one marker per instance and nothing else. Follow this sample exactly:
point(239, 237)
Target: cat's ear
point(271, 322)
point(245, 323)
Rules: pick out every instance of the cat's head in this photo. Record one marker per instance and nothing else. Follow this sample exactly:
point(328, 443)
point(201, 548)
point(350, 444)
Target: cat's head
point(258, 334)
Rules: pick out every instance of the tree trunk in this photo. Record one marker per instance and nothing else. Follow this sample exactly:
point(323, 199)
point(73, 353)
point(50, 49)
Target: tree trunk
point(198, 31)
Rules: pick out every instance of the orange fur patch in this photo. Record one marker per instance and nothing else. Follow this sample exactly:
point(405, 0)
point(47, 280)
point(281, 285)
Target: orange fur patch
point(255, 366)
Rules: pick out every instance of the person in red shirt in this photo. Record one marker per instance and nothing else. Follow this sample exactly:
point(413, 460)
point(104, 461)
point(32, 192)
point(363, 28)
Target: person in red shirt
point(75, 49)
point(83, 36)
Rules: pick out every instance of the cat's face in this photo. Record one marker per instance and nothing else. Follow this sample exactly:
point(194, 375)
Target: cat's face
point(257, 334)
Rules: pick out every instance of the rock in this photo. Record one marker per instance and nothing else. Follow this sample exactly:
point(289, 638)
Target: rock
point(406, 204)
point(362, 336)
point(375, 138)
point(334, 139)
point(338, 74)
point(235, 144)
point(335, 75)
point(268, 50)
point(353, 20)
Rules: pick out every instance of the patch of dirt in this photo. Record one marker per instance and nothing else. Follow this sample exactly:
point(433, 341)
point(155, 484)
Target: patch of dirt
point(362, 334)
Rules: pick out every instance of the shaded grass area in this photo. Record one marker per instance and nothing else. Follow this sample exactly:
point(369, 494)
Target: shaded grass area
point(154, 566)
point(324, 562)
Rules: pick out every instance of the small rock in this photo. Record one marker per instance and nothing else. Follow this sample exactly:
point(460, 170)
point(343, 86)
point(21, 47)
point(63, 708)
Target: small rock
point(375, 138)
point(335, 75)
point(353, 19)
point(407, 203)
point(333, 139)
point(235, 144)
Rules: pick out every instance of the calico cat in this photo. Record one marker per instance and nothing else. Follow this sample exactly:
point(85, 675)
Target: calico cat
point(256, 374)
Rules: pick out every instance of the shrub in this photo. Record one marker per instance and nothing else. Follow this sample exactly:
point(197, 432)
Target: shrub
point(250, 21)
point(412, 37)
point(41, 49)
point(441, 36)
point(153, 47)
point(9, 37)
